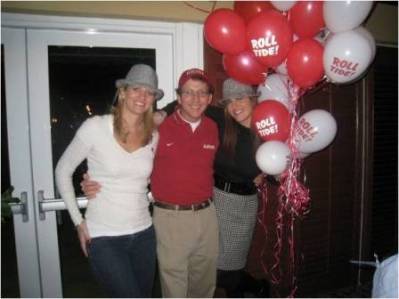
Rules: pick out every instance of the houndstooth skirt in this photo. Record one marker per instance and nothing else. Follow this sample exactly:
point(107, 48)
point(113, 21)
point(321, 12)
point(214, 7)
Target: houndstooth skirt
point(237, 218)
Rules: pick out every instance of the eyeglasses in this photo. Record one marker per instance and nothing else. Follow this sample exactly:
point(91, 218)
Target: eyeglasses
point(192, 93)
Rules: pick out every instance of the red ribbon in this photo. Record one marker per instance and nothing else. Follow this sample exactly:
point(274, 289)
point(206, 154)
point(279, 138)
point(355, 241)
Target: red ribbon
point(294, 202)
point(262, 191)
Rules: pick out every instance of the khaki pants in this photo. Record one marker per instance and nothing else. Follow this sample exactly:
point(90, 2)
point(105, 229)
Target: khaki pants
point(187, 248)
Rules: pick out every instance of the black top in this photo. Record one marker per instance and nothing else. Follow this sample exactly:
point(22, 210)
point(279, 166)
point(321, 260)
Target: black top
point(242, 167)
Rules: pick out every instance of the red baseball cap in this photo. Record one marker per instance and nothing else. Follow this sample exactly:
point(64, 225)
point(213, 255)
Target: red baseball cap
point(195, 74)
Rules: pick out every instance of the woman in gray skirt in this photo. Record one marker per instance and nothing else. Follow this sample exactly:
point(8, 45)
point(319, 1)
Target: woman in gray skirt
point(235, 192)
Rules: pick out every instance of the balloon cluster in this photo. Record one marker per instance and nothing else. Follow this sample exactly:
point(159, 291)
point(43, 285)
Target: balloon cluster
point(287, 48)
point(312, 132)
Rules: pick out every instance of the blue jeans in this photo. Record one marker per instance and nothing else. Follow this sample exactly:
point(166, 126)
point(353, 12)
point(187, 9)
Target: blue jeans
point(125, 265)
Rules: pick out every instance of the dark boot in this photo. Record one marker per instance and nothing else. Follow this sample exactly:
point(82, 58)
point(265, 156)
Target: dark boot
point(259, 288)
point(229, 281)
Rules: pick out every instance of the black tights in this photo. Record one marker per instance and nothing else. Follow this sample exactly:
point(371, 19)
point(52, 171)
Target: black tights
point(236, 282)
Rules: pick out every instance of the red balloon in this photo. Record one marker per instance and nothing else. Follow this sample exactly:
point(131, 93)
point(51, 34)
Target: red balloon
point(305, 62)
point(248, 9)
point(244, 68)
point(224, 31)
point(271, 121)
point(306, 18)
point(270, 37)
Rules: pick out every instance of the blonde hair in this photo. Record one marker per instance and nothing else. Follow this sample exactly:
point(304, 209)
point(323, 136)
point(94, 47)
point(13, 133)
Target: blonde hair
point(148, 120)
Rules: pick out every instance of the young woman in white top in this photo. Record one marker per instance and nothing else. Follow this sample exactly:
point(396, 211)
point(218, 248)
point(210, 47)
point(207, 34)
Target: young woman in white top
point(116, 233)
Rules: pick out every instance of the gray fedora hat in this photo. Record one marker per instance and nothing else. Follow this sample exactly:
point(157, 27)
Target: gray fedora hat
point(233, 89)
point(141, 75)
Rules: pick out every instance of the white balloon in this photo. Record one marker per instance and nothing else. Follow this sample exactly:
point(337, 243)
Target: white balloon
point(370, 38)
point(346, 56)
point(316, 129)
point(283, 5)
point(272, 157)
point(341, 16)
point(363, 31)
point(275, 87)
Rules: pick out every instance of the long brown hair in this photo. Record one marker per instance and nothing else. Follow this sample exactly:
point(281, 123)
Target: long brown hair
point(230, 136)
point(120, 132)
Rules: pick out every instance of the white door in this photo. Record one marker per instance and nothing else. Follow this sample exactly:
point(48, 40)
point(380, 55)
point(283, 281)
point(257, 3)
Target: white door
point(14, 47)
point(54, 80)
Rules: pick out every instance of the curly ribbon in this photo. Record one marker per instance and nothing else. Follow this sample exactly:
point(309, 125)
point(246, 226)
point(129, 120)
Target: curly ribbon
point(275, 278)
point(262, 191)
point(296, 194)
point(291, 244)
point(293, 202)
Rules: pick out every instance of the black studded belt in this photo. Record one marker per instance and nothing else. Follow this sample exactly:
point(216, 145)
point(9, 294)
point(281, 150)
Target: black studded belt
point(237, 188)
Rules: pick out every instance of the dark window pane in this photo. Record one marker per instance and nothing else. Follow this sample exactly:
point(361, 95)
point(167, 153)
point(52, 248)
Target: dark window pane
point(82, 83)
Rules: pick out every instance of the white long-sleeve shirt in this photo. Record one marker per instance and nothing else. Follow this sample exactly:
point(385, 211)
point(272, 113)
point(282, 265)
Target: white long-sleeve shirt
point(121, 207)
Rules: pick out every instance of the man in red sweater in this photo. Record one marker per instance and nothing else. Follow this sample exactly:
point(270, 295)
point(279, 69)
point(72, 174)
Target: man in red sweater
point(182, 185)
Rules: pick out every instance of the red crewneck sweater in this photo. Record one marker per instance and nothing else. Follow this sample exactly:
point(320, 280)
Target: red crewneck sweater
point(183, 165)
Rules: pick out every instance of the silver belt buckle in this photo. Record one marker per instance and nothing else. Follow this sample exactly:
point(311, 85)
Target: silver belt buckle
point(227, 187)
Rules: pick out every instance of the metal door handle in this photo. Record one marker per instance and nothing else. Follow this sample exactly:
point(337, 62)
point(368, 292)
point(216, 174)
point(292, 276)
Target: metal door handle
point(21, 207)
point(55, 204)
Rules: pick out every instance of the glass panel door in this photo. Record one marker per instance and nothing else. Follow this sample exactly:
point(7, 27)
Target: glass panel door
point(71, 76)
point(73, 79)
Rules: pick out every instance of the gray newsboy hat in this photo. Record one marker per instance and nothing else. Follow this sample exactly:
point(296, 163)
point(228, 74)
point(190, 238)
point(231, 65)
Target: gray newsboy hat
point(141, 75)
point(233, 89)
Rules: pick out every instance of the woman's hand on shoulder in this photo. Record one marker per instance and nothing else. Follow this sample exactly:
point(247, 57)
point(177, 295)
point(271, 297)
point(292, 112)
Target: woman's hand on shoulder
point(273, 180)
point(258, 180)
point(159, 117)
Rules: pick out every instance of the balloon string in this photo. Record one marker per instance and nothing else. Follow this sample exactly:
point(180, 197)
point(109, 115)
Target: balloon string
point(291, 242)
point(201, 9)
point(293, 201)
point(262, 191)
point(297, 196)
point(293, 196)
point(276, 269)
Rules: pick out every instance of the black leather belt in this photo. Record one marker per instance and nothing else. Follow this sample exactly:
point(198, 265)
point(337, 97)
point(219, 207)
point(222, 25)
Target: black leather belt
point(193, 207)
point(237, 188)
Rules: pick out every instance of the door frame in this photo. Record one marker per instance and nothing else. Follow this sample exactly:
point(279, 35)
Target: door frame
point(187, 52)
point(19, 160)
